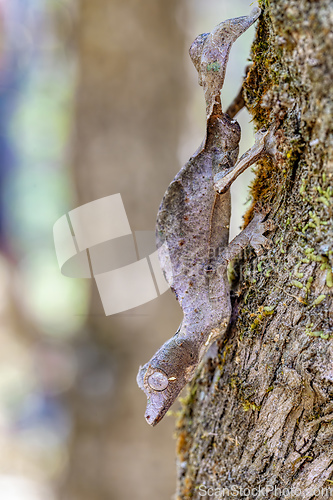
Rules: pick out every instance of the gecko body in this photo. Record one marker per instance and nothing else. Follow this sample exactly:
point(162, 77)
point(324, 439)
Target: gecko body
point(192, 229)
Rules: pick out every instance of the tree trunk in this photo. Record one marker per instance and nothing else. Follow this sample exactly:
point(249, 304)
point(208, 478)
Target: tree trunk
point(259, 414)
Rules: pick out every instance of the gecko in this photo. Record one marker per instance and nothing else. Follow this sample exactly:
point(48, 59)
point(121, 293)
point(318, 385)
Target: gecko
point(192, 229)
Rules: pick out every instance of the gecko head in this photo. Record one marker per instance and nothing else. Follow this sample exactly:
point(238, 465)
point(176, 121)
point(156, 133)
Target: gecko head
point(165, 375)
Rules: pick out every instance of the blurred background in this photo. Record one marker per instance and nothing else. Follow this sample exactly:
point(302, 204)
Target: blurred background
point(96, 98)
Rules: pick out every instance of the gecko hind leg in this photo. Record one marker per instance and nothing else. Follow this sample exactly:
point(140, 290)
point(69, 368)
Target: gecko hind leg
point(251, 235)
point(257, 240)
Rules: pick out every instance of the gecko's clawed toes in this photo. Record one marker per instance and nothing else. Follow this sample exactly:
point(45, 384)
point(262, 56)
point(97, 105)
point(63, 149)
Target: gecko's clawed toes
point(262, 210)
point(259, 243)
point(257, 227)
point(269, 225)
point(258, 250)
point(267, 244)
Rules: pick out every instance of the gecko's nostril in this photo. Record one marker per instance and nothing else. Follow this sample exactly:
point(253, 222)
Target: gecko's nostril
point(158, 381)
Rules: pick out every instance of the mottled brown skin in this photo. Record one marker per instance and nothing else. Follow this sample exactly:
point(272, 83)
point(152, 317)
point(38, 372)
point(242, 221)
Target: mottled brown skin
point(193, 231)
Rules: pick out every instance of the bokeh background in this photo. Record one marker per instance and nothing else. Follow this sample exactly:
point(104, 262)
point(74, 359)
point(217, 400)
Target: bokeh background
point(96, 98)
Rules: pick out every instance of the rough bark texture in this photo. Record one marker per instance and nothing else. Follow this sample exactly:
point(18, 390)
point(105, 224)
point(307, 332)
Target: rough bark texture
point(260, 412)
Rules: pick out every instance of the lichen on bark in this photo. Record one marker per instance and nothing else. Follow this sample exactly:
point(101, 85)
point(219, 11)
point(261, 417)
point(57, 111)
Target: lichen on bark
point(260, 412)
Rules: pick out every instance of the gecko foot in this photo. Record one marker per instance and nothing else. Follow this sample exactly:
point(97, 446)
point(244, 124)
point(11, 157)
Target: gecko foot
point(253, 234)
point(257, 227)
point(269, 225)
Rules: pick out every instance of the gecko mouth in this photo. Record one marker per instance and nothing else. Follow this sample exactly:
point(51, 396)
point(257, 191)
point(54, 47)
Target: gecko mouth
point(158, 403)
point(153, 418)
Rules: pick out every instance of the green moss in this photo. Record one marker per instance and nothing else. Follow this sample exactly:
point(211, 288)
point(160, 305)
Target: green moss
point(303, 187)
point(309, 283)
point(298, 284)
point(323, 200)
point(329, 278)
point(318, 300)
point(249, 405)
point(215, 66)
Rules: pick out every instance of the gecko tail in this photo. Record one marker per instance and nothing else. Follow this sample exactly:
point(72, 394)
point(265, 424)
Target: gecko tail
point(210, 53)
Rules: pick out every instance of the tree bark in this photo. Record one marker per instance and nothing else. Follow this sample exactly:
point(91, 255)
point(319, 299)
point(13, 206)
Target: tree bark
point(259, 413)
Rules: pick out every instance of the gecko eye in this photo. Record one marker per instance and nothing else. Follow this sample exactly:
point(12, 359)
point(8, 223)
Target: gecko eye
point(158, 381)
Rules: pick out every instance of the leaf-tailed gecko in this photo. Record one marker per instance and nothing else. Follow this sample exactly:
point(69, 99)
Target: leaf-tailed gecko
point(193, 228)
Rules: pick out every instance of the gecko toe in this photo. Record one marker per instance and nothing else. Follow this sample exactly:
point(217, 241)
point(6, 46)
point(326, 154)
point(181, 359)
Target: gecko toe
point(258, 250)
point(267, 244)
point(259, 243)
point(269, 225)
